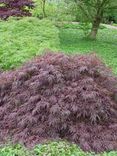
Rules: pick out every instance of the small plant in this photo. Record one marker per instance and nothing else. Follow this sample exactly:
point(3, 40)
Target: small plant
point(14, 150)
point(59, 148)
point(85, 27)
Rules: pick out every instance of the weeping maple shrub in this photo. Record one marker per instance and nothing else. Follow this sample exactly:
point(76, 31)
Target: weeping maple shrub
point(57, 96)
point(15, 8)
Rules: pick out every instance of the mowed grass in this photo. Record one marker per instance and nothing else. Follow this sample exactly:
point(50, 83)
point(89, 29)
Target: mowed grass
point(72, 41)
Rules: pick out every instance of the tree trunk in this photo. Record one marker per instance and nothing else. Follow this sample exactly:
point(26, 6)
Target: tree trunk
point(43, 8)
point(95, 27)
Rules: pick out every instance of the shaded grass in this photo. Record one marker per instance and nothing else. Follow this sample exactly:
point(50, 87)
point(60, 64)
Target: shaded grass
point(73, 42)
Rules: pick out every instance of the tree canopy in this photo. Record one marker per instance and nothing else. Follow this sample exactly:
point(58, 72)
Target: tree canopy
point(93, 11)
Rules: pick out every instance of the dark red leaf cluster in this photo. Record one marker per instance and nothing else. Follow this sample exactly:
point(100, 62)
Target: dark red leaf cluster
point(59, 96)
point(15, 8)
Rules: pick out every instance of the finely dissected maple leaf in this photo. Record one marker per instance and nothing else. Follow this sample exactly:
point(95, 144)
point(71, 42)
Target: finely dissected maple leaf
point(15, 8)
point(58, 96)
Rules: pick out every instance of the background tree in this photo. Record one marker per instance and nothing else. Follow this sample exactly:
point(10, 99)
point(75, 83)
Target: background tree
point(43, 7)
point(15, 8)
point(93, 11)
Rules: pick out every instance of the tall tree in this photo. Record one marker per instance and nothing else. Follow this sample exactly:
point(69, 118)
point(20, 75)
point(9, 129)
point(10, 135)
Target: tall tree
point(93, 11)
point(15, 8)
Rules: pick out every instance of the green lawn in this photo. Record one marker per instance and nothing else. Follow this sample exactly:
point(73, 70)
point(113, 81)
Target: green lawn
point(72, 42)
point(20, 40)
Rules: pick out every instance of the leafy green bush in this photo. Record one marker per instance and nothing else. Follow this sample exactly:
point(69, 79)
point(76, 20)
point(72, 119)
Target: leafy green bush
point(111, 153)
point(110, 16)
point(24, 38)
point(59, 149)
point(85, 27)
point(65, 149)
point(14, 150)
point(54, 148)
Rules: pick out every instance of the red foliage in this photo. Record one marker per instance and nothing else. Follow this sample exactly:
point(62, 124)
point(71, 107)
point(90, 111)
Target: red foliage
point(58, 96)
point(15, 8)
